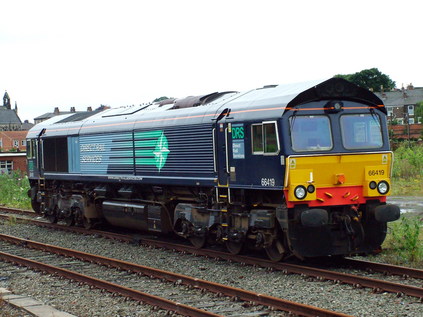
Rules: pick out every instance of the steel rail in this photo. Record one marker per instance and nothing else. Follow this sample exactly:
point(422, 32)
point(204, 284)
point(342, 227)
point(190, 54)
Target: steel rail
point(18, 211)
point(355, 280)
point(384, 268)
point(111, 287)
point(261, 299)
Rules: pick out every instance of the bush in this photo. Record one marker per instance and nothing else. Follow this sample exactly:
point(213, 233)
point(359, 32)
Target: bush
point(13, 191)
point(408, 161)
point(404, 241)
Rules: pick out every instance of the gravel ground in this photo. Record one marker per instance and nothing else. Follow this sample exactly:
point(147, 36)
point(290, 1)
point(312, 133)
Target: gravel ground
point(82, 301)
point(10, 311)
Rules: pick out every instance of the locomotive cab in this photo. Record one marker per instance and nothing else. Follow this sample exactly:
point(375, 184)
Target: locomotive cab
point(338, 171)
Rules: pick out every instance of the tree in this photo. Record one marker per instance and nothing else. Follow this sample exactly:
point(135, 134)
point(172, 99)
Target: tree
point(372, 79)
point(418, 112)
point(160, 99)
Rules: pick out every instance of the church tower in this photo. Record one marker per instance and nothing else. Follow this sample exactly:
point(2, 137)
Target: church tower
point(6, 101)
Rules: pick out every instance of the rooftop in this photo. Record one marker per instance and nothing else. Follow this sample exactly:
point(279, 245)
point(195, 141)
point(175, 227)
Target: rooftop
point(401, 97)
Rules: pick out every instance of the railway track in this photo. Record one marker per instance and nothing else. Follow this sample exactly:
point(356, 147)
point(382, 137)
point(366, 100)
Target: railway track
point(184, 295)
point(376, 285)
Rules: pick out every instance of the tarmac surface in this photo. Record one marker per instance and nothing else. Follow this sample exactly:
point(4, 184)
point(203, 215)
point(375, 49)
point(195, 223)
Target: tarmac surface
point(407, 203)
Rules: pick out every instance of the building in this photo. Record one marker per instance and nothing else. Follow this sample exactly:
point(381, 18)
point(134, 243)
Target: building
point(57, 112)
point(12, 161)
point(13, 141)
point(401, 104)
point(12, 138)
point(9, 120)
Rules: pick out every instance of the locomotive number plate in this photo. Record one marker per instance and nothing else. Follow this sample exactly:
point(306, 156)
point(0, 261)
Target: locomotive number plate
point(268, 182)
point(376, 172)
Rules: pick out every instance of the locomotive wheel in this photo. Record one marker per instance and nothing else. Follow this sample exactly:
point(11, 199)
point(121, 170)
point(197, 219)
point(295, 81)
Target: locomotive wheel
point(235, 247)
point(70, 221)
point(198, 241)
point(87, 223)
point(36, 206)
point(52, 217)
point(275, 251)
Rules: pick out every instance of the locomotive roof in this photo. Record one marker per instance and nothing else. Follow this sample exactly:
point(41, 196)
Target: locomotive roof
point(266, 103)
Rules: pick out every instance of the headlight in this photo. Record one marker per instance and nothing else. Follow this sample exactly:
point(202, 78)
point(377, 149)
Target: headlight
point(300, 192)
point(372, 185)
point(383, 187)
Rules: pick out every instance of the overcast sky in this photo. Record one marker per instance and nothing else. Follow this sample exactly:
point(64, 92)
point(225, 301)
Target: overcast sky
point(86, 53)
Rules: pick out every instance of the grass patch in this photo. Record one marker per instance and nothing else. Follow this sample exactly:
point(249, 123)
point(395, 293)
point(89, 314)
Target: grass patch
point(407, 173)
point(404, 242)
point(11, 221)
point(13, 191)
point(407, 187)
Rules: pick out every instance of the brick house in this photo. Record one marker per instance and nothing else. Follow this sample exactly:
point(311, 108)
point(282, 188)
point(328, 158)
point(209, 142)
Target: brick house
point(12, 162)
point(14, 141)
point(12, 138)
point(401, 104)
point(57, 112)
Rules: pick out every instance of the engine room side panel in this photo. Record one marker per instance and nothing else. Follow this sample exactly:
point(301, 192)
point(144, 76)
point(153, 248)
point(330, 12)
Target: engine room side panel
point(175, 151)
point(180, 155)
point(110, 153)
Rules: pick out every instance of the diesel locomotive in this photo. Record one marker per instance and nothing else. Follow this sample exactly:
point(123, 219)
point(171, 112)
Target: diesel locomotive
point(299, 169)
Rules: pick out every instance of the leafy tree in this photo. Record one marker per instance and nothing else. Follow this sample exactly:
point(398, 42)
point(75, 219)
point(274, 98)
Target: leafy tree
point(418, 112)
point(160, 99)
point(372, 79)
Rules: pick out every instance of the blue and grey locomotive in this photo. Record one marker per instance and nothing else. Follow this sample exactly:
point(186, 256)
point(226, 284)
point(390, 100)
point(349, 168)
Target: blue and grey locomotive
point(301, 169)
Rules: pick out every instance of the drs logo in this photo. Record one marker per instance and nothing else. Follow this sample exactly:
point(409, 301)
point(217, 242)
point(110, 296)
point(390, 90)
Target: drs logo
point(237, 132)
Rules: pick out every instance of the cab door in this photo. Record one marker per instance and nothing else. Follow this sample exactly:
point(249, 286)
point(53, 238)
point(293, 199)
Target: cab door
point(32, 150)
point(221, 153)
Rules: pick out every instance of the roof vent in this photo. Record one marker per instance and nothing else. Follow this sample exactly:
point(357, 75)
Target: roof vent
point(269, 86)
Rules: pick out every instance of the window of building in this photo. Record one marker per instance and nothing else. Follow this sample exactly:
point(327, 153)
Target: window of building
point(15, 143)
point(23, 142)
point(6, 167)
point(410, 110)
point(411, 120)
point(310, 133)
point(1, 142)
point(265, 138)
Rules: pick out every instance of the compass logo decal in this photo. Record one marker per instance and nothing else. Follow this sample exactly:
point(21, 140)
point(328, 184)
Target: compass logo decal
point(151, 148)
point(161, 151)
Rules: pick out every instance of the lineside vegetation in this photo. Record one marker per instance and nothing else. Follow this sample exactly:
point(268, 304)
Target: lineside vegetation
point(404, 242)
point(13, 191)
point(407, 175)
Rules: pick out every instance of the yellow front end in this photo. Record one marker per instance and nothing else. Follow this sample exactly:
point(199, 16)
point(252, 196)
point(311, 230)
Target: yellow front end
point(344, 179)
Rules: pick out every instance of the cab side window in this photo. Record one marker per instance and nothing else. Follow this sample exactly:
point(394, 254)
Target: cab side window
point(265, 139)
